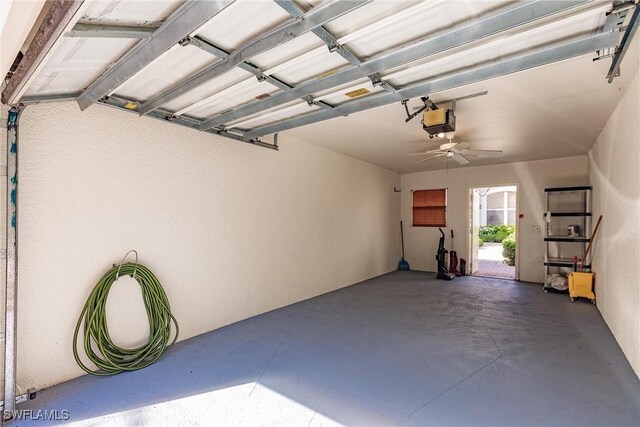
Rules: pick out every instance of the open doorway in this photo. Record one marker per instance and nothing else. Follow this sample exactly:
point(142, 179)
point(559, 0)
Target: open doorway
point(492, 228)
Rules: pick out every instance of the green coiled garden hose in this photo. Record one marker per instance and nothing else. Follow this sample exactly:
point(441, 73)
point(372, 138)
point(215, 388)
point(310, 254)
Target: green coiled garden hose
point(98, 346)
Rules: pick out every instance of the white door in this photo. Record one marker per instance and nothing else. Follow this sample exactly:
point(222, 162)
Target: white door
point(474, 229)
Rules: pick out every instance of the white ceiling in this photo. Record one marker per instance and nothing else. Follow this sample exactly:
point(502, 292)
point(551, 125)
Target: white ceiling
point(554, 111)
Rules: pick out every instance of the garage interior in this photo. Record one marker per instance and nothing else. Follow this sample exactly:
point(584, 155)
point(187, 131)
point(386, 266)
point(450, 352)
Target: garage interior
point(286, 179)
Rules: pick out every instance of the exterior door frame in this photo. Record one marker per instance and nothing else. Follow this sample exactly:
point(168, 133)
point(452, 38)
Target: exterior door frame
point(470, 219)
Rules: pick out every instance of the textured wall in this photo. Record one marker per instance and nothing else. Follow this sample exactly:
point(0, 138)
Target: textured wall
point(531, 178)
point(231, 230)
point(614, 170)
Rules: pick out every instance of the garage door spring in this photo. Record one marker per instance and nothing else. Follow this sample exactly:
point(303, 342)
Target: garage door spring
point(98, 346)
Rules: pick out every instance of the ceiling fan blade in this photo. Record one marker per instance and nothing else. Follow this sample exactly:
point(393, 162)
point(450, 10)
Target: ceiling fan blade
point(483, 153)
point(460, 159)
point(448, 145)
point(426, 152)
point(429, 158)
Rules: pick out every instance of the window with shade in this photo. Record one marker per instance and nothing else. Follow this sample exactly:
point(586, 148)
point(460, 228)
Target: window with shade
point(430, 208)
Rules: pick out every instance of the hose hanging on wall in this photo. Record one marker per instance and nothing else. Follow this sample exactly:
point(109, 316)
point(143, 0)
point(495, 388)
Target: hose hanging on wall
point(98, 346)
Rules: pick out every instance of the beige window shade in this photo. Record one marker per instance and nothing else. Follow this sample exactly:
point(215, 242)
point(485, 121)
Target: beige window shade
point(430, 208)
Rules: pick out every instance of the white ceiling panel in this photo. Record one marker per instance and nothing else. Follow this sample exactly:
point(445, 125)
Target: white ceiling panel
point(430, 70)
point(140, 12)
point(76, 63)
point(412, 24)
point(371, 16)
point(347, 87)
point(310, 67)
point(548, 34)
point(338, 97)
point(242, 21)
point(308, 4)
point(460, 12)
point(208, 89)
point(274, 116)
point(265, 115)
point(278, 58)
point(246, 91)
point(176, 64)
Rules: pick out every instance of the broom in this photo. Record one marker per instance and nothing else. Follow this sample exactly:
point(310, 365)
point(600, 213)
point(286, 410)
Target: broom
point(593, 236)
point(403, 265)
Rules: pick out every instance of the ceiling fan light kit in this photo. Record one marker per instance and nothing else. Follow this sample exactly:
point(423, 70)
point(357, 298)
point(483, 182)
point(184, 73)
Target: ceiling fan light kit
point(461, 152)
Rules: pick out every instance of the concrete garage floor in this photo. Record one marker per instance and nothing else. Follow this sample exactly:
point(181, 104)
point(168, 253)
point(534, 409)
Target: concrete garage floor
point(401, 349)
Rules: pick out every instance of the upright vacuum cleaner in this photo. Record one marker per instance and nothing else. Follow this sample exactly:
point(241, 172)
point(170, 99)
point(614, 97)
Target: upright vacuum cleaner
point(443, 273)
point(453, 260)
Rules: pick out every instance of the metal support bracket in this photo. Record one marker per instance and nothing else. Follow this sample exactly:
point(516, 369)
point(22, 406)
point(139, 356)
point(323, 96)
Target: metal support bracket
point(263, 144)
point(621, 6)
point(603, 54)
point(111, 31)
point(376, 80)
point(160, 114)
point(614, 70)
point(427, 104)
point(616, 16)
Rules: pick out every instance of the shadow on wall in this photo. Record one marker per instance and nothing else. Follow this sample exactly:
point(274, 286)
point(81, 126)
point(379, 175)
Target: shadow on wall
point(614, 172)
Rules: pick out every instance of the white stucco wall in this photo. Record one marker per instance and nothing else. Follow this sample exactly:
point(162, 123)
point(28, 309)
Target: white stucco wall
point(614, 171)
point(231, 230)
point(531, 178)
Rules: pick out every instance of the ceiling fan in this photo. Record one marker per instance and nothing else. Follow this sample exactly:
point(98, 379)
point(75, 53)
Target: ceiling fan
point(461, 152)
